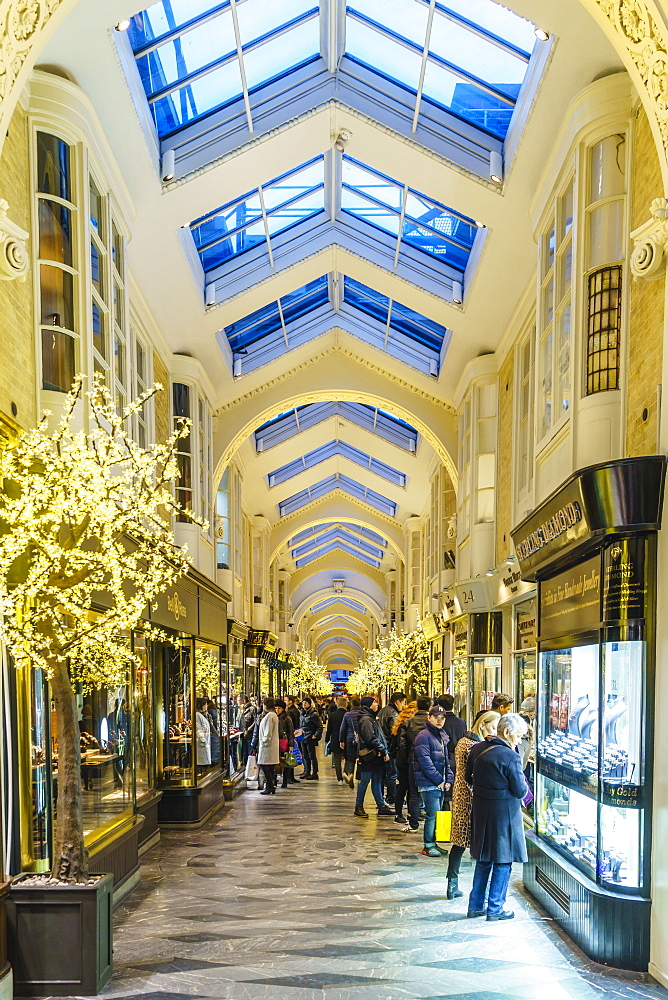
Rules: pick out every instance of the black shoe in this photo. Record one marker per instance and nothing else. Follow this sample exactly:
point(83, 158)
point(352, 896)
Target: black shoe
point(399, 819)
point(359, 811)
point(504, 915)
point(308, 777)
point(385, 811)
point(454, 892)
point(476, 913)
point(268, 791)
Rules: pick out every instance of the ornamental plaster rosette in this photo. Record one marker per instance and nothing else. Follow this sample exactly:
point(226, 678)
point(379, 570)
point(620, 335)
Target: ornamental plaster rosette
point(650, 240)
point(14, 257)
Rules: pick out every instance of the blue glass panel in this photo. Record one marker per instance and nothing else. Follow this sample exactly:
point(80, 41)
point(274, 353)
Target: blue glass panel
point(257, 324)
point(437, 217)
point(369, 182)
point(165, 16)
point(476, 55)
point(404, 17)
point(289, 49)
point(366, 299)
point(304, 299)
point(296, 211)
point(417, 326)
point(383, 54)
point(197, 98)
point(496, 19)
point(177, 58)
point(337, 546)
point(257, 17)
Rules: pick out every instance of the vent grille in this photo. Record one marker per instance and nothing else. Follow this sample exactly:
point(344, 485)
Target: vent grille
point(560, 897)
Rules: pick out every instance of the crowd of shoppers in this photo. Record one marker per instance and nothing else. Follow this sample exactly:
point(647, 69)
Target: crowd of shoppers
point(418, 756)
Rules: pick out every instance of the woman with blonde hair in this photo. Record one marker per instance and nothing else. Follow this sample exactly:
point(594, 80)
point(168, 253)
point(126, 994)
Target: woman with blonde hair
point(462, 797)
point(398, 753)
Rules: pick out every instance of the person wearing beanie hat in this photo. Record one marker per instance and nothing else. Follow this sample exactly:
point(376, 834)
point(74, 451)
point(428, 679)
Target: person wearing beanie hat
point(433, 776)
point(286, 741)
point(372, 755)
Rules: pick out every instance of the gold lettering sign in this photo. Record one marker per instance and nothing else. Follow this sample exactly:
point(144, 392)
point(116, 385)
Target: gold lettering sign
point(174, 605)
point(550, 529)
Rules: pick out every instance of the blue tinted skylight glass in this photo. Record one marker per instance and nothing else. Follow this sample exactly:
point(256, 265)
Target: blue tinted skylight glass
point(413, 324)
point(335, 449)
point(338, 599)
point(337, 481)
point(367, 532)
point(385, 425)
point(340, 533)
point(427, 224)
point(337, 546)
point(475, 60)
point(238, 226)
point(188, 60)
point(267, 320)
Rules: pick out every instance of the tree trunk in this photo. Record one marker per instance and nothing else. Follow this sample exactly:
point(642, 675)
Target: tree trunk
point(70, 857)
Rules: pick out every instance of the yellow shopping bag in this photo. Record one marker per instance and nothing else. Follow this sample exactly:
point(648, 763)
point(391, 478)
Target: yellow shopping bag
point(443, 826)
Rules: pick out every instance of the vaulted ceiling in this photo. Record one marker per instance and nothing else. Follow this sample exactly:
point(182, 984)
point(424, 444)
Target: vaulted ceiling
point(331, 214)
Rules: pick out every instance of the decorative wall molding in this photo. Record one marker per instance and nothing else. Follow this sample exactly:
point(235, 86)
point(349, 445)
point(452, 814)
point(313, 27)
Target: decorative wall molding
point(22, 24)
point(14, 256)
point(650, 243)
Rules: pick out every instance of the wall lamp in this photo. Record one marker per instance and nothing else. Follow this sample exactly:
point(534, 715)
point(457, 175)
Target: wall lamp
point(168, 165)
point(495, 167)
point(123, 25)
point(210, 293)
point(541, 34)
point(457, 293)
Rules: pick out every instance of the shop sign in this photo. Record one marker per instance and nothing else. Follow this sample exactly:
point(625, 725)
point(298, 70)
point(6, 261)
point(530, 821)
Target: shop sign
point(267, 640)
point(473, 595)
point(451, 607)
point(624, 579)
point(432, 626)
point(177, 608)
point(571, 601)
point(613, 498)
point(212, 617)
point(525, 626)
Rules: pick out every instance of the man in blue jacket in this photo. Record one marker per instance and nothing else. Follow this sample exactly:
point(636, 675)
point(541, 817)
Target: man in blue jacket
point(433, 776)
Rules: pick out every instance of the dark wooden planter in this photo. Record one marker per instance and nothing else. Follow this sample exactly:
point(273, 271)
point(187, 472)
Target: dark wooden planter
point(60, 937)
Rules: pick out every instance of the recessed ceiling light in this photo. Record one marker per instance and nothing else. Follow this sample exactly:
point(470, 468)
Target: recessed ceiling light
point(479, 225)
point(541, 34)
point(123, 25)
point(495, 167)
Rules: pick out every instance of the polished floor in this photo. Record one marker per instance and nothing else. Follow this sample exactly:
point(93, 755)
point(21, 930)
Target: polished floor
point(291, 897)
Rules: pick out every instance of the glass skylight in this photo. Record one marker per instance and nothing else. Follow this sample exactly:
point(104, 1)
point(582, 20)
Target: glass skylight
point(385, 425)
point(470, 57)
point(337, 546)
point(337, 481)
point(338, 599)
point(406, 214)
point(336, 449)
point(389, 326)
point(342, 535)
point(262, 213)
point(194, 57)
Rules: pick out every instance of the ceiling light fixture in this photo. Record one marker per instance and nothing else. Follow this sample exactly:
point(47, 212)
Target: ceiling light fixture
point(457, 293)
point(210, 293)
point(490, 572)
point(541, 34)
point(342, 140)
point(495, 167)
point(168, 165)
point(123, 25)
point(480, 225)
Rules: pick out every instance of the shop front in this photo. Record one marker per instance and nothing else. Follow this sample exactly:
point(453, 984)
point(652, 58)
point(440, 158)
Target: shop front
point(591, 546)
point(436, 633)
point(259, 653)
point(191, 694)
point(475, 647)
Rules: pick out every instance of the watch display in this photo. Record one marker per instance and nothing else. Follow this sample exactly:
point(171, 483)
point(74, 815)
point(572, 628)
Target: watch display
point(589, 758)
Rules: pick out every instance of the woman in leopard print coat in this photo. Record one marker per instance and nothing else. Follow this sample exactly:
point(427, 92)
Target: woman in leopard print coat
point(462, 798)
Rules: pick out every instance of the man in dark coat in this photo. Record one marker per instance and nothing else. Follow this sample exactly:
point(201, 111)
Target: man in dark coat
point(386, 719)
point(348, 740)
point(372, 750)
point(494, 769)
point(409, 732)
point(334, 720)
point(454, 728)
point(311, 733)
point(293, 711)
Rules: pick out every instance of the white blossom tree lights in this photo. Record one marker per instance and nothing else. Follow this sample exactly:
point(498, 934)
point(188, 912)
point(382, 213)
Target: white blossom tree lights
point(83, 515)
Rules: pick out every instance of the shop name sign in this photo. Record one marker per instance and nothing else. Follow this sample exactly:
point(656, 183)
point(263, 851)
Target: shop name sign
point(174, 605)
point(566, 517)
point(571, 601)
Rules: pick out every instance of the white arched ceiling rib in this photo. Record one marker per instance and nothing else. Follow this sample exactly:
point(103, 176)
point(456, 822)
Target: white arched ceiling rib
point(342, 640)
point(329, 378)
point(336, 565)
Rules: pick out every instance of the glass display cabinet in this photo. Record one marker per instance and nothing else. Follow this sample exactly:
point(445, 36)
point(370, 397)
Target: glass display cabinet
point(591, 547)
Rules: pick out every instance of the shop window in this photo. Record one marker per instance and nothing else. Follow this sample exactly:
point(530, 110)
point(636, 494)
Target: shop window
point(210, 709)
point(181, 410)
point(106, 755)
point(524, 408)
point(144, 736)
point(58, 274)
point(464, 518)
point(554, 313)
point(173, 666)
point(604, 320)
point(223, 522)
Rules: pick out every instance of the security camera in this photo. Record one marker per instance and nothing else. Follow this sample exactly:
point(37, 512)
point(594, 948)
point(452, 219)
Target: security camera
point(342, 140)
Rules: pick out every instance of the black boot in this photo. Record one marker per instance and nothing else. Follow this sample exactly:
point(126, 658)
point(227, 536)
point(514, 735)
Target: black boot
point(454, 892)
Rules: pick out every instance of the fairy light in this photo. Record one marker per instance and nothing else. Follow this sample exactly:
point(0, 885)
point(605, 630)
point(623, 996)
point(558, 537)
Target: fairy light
point(398, 660)
point(309, 676)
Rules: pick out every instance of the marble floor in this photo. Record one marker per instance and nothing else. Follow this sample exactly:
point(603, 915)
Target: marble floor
point(290, 897)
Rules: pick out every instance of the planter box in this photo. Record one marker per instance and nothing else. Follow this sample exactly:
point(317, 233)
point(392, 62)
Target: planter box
point(60, 937)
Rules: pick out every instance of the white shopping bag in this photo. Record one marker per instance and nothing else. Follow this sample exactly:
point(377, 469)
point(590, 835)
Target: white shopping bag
point(251, 768)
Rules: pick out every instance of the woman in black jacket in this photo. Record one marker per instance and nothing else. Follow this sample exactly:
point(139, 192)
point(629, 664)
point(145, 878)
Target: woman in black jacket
point(286, 741)
point(494, 769)
point(334, 720)
point(311, 733)
point(372, 750)
point(397, 748)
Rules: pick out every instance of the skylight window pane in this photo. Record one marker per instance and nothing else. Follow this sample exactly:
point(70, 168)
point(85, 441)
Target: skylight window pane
point(257, 17)
point(383, 54)
point(361, 208)
point(194, 99)
point(405, 17)
point(166, 16)
point(476, 55)
point(304, 299)
point(297, 182)
point(187, 53)
point(496, 19)
point(466, 100)
point(438, 218)
point(414, 324)
point(369, 182)
point(286, 50)
point(296, 212)
point(427, 241)
point(366, 299)
point(254, 326)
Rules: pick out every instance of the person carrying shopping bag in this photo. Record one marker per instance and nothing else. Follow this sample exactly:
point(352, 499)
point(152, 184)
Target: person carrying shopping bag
point(372, 756)
point(433, 777)
point(268, 746)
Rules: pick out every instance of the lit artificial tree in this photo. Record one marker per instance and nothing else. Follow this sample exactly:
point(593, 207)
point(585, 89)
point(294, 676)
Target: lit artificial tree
point(83, 514)
point(207, 672)
point(307, 676)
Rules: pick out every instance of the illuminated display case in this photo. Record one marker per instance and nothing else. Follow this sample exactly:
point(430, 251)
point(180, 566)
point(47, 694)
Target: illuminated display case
point(592, 548)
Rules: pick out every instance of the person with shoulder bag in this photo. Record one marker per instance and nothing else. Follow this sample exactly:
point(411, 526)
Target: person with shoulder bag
point(372, 756)
point(268, 754)
point(494, 770)
point(311, 732)
point(286, 741)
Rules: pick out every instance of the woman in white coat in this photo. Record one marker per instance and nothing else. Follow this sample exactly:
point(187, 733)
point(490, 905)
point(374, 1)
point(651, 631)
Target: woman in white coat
point(202, 735)
point(268, 748)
